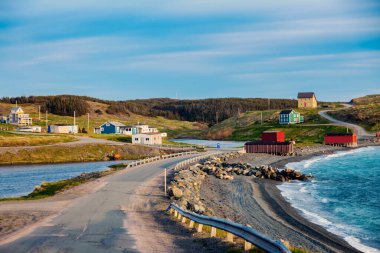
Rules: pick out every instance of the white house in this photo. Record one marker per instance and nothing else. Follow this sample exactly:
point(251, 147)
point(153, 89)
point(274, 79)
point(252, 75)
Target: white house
point(164, 135)
point(31, 129)
point(18, 117)
point(63, 129)
point(147, 138)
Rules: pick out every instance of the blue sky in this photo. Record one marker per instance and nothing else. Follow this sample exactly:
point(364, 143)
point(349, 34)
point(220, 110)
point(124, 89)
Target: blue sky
point(190, 49)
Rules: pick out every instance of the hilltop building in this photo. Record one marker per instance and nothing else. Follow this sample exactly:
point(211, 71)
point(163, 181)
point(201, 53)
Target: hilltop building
point(307, 100)
point(18, 117)
point(147, 138)
point(290, 117)
point(63, 129)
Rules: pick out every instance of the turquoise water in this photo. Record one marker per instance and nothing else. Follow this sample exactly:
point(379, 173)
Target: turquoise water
point(20, 180)
point(344, 196)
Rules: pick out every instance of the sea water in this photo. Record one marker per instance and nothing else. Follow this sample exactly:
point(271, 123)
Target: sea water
point(20, 180)
point(343, 196)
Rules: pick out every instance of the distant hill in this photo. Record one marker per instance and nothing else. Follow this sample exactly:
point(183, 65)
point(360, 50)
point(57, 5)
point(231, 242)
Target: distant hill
point(365, 112)
point(369, 99)
point(209, 111)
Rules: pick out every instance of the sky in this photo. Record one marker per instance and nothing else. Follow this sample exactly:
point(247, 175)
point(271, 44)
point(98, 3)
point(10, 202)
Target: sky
point(190, 49)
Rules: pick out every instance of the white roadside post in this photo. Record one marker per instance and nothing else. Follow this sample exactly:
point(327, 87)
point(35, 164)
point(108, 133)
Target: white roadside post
point(165, 182)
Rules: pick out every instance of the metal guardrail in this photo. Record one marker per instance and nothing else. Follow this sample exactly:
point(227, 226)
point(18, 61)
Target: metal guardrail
point(200, 158)
point(157, 158)
point(247, 233)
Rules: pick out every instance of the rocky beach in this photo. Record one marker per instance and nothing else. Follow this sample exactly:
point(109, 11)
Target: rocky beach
point(243, 188)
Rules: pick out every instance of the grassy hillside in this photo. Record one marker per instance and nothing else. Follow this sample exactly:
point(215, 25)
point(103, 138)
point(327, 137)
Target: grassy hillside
point(82, 153)
point(248, 126)
point(98, 116)
point(8, 139)
point(365, 112)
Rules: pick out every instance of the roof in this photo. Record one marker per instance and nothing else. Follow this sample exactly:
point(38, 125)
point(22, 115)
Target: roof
point(339, 134)
point(63, 125)
point(115, 123)
point(286, 111)
point(156, 133)
point(267, 143)
point(306, 94)
point(15, 109)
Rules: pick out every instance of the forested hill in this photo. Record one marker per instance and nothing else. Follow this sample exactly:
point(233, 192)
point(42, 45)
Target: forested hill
point(202, 110)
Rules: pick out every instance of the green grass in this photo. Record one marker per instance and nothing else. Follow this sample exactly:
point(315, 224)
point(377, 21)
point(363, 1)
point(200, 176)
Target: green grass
point(82, 153)
point(10, 139)
point(301, 134)
point(111, 137)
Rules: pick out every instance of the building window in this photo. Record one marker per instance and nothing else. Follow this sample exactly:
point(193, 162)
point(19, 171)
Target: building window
point(102, 129)
point(147, 139)
point(136, 139)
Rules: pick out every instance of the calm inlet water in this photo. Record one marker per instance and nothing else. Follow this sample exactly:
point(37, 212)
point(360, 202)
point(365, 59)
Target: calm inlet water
point(20, 180)
point(344, 197)
point(211, 143)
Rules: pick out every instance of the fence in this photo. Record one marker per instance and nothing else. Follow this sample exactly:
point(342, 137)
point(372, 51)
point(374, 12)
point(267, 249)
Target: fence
point(157, 158)
point(248, 234)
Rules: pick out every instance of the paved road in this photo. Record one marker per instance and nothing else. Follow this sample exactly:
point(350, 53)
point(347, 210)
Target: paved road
point(93, 223)
point(360, 132)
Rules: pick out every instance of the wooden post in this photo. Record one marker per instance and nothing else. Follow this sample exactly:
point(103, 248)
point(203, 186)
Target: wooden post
point(191, 225)
point(200, 228)
point(247, 245)
point(230, 237)
point(183, 220)
point(179, 216)
point(165, 183)
point(213, 232)
point(175, 213)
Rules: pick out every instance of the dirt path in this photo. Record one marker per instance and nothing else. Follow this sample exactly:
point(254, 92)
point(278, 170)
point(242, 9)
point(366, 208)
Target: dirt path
point(360, 132)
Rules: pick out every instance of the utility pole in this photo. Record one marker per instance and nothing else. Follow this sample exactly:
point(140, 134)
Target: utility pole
point(88, 122)
point(39, 112)
point(46, 120)
point(268, 103)
point(74, 123)
point(261, 117)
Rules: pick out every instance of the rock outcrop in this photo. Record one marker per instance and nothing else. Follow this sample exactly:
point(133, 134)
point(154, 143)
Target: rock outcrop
point(185, 187)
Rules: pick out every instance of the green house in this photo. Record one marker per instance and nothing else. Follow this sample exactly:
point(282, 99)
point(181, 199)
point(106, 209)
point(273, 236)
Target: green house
point(290, 117)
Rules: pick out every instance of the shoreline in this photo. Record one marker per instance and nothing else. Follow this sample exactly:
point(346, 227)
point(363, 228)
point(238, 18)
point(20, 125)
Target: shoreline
point(354, 242)
point(259, 203)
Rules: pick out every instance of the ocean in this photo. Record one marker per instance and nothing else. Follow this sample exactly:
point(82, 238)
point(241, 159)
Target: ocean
point(343, 196)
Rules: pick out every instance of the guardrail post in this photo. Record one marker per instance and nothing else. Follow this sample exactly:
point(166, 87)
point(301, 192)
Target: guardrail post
point(183, 219)
point(175, 213)
point(213, 232)
point(200, 228)
point(179, 216)
point(247, 245)
point(230, 237)
point(191, 225)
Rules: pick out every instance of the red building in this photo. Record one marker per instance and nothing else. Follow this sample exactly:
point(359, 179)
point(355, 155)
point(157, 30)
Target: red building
point(269, 147)
point(347, 140)
point(277, 136)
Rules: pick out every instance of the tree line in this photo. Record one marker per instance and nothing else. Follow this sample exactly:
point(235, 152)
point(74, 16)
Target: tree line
point(210, 111)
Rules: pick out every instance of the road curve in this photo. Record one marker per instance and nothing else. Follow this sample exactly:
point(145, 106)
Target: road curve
point(94, 222)
point(360, 132)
